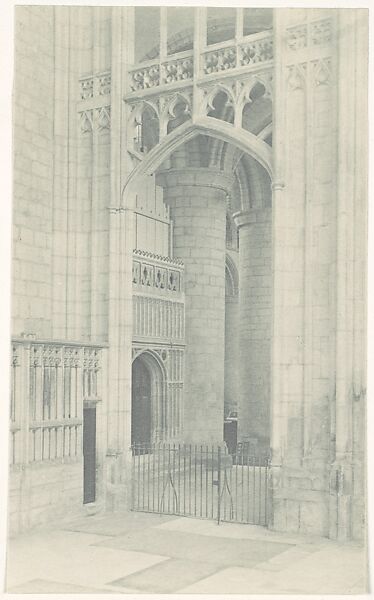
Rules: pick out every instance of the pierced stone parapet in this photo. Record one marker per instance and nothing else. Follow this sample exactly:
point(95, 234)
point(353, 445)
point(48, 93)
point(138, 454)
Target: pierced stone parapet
point(258, 51)
point(177, 70)
point(219, 60)
point(145, 78)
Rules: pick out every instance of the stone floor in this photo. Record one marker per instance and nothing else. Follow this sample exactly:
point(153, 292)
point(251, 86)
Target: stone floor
point(132, 553)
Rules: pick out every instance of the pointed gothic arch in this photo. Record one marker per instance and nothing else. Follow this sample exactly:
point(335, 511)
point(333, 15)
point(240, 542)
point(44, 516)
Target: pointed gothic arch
point(148, 401)
point(246, 141)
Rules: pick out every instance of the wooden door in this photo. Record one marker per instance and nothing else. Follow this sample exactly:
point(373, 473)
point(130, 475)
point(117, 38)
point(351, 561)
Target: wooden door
point(141, 404)
point(89, 454)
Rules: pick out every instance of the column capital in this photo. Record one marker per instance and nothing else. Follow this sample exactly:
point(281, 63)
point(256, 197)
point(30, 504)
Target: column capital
point(195, 176)
point(278, 186)
point(252, 216)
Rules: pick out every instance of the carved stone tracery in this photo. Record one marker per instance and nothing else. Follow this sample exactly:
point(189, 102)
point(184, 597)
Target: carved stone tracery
point(96, 119)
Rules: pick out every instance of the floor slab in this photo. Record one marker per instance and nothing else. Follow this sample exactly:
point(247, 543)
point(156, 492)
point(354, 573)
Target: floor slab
point(136, 553)
point(167, 577)
point(222, 552)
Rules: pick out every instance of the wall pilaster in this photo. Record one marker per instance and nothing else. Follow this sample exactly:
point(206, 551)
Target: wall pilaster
point(303, 234)
point(312, 235)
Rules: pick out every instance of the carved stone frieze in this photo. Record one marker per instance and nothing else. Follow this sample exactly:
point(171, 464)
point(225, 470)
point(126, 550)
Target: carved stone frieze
point(86, 88)
point(52, 355)
point(297, 37)
point(92, 358)
point(317, 33)
point(104, 84)
point(36, 355)
point(15, 355)
point(156, 276)
point(71, 357)
point(94, 85)
point(158, 257)
point(321, 32)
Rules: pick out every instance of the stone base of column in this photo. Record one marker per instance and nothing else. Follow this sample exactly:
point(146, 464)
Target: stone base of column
point(299, 501)
point(118, 482)
point(314, 499)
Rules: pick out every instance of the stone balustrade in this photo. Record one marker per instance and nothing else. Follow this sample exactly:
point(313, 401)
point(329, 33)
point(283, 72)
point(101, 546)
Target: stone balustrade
point(250, 52)
point(219, 60)
point(254, 51)
point(147, 75)
point(57, 378)
point(179, 69)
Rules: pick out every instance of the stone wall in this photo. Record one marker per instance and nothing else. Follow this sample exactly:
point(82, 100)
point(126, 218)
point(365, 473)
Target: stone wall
point(60, 225)
point(44, 493)
point(33, 119)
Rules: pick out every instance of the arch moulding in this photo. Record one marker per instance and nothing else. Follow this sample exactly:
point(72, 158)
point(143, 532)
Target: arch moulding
point(152, 359)
point(244, 140)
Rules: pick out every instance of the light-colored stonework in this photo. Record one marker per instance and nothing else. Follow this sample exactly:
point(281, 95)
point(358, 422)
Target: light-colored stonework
point(203, 211)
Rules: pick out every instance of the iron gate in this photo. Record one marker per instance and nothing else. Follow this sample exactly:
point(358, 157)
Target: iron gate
point(200, 481)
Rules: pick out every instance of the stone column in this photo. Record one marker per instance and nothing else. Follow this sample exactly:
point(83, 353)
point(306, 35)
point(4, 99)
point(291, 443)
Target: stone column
point(197, 199)
point(231, 349)
point(254, 327)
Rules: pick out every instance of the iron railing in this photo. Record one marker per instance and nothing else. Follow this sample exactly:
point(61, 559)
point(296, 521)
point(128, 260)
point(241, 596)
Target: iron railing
point(200, 481)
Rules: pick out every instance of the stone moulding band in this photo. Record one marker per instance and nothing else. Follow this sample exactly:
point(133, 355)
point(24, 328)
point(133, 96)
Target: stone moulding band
point(27, 339)
point(158, 257)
